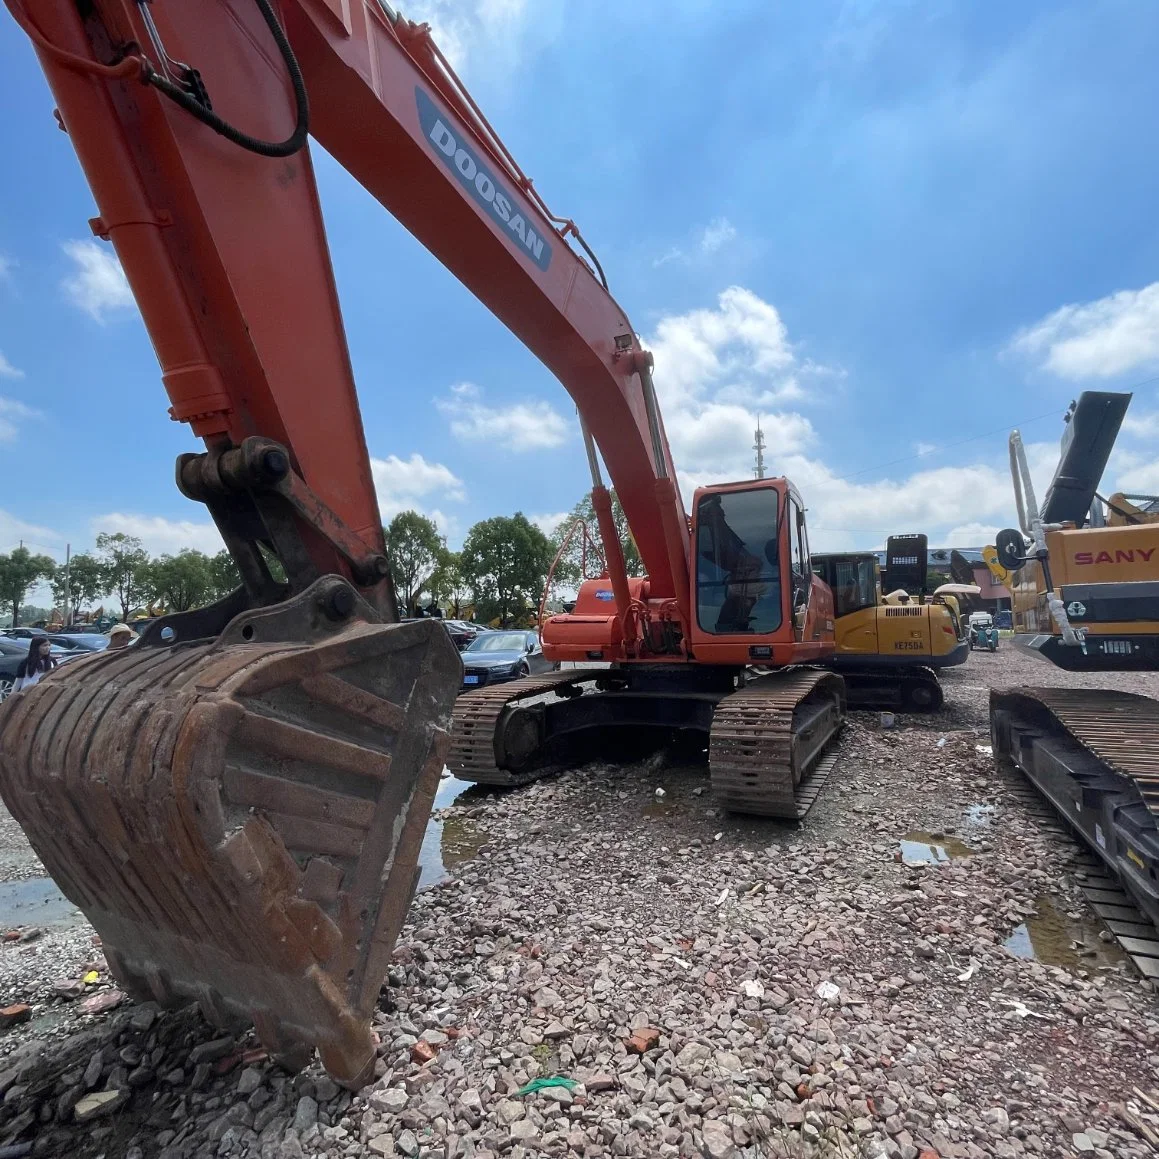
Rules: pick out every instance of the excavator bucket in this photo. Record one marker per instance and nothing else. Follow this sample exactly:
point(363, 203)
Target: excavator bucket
point(241, 818)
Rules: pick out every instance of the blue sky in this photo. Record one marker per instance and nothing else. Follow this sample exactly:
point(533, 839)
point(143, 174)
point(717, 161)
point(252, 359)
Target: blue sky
point(886, 227)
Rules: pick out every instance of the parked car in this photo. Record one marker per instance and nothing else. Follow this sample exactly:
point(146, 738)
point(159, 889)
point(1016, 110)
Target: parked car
point(462, 634)
point(80, 641)
point(493, 657)
point(24, 633)
point(12, 652)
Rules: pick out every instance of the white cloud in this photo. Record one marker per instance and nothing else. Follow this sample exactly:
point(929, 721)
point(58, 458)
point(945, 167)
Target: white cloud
point(98, 284)
point(473, 31)
point(972, 535)
point(1097, 339)
point(705, 241)
point(1142, 426)
point(11, 412)
point(549, 524)
point(158, 535)
point(14, 530)
point(924, 449)
point(523, 426)
point(671, 255)
point(740, 351)
point(413, 485)
point(719, 232)
point(7, 370)
point(7, 265)
point(717, 369)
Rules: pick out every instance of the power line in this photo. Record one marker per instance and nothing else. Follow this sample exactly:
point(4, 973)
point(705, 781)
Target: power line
point(974, 438)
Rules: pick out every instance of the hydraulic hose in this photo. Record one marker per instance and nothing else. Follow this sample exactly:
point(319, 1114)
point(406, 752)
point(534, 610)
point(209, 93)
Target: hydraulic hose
point(207, 117)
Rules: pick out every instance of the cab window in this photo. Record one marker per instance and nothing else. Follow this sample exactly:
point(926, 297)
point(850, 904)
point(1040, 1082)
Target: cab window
point(854, 585)
point(799, 554)
point(738, 575)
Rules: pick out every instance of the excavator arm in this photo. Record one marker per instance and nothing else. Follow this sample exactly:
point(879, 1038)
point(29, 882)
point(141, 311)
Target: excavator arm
point(237, 802)
point(225, 250)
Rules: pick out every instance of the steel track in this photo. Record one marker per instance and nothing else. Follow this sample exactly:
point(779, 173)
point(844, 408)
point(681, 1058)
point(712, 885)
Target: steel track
point(767, 741)
point(1093, 754)
point(476, 721)
point(766, 749)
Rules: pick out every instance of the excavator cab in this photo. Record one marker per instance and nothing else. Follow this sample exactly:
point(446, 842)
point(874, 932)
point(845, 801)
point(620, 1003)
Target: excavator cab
point(756, 597)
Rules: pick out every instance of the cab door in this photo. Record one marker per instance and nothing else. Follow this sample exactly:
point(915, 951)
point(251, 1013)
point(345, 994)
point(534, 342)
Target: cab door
point(810, 599)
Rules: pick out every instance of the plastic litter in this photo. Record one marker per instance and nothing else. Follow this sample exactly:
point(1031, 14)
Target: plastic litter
point(752, 989)
point(941, 742)
point(1020, 1008)
point(723, 896)
point(888, 720)
point(555, 1080)
point(828, 992)
point(969, 971)
point(661, 793)
point(984, 749)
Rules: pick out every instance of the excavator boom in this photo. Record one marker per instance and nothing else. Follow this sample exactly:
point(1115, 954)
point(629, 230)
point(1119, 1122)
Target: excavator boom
point(238, 802)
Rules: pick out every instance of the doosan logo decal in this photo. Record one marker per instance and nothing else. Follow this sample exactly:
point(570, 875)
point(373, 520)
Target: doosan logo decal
point(1132, 555)
point(477, 178)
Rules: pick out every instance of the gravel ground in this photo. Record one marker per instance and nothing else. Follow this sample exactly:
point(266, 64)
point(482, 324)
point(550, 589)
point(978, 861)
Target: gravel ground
point(710, 986)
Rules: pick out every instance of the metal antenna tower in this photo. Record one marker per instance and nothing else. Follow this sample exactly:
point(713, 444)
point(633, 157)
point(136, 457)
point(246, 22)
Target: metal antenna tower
point(759, 447)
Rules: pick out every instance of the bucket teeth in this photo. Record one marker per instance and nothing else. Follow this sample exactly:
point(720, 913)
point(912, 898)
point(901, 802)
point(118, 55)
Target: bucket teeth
point(241, 823)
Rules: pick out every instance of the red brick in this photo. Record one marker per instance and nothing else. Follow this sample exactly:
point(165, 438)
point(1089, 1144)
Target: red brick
point(14, 1015)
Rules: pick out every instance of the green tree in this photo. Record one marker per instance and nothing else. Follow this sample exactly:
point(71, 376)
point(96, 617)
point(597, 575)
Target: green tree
point(86, 582)
point(447, 585)
point(126, 567)
point(504, 561)
point(415, 549)
point(570, 566)
point(182, 581)
point(19, 571)
point(223, 575)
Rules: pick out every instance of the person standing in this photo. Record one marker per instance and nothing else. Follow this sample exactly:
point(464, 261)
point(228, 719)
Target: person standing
point(38, 661)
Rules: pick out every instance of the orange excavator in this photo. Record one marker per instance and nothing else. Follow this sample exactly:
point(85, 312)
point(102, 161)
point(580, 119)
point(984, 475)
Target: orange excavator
point(237, 802)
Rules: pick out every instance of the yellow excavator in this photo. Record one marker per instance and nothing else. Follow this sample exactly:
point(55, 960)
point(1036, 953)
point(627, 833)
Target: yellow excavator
point(889, 649)
point(1086, 597)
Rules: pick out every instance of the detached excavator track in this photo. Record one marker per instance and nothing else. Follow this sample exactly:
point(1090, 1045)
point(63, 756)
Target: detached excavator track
point(767, 748)
point(1094, 754)
point(479, 740)
point(241, 820)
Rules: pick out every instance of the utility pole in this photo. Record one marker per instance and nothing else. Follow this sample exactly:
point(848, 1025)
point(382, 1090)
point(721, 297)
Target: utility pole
point(67, 564)
point(759, 447)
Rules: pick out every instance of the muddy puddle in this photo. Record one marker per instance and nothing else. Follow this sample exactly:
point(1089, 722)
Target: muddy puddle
point(1054, 939)
point(448, 842)
point(919, 847)
point(661, 807)
point(35, 901)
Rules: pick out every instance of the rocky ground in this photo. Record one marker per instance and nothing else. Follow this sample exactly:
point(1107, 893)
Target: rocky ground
point(691, 984)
